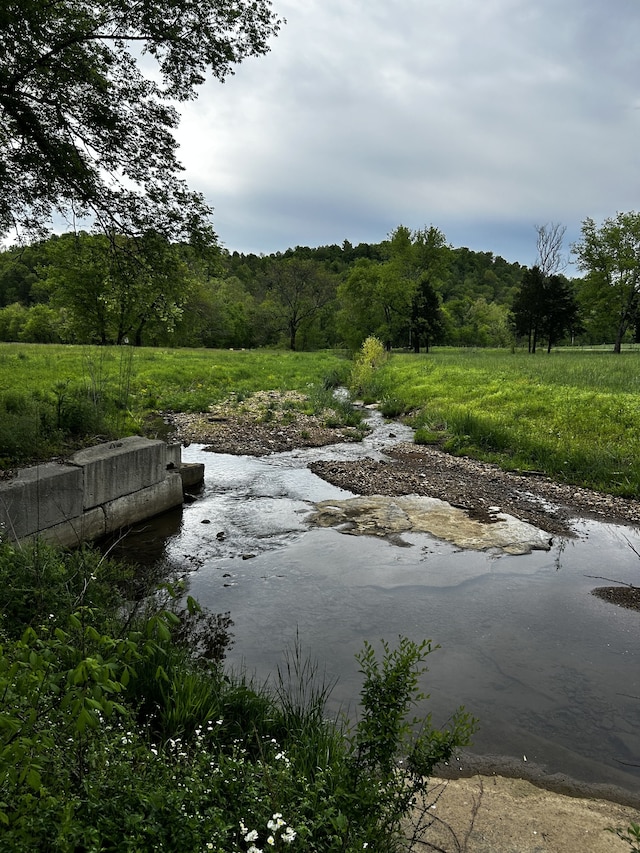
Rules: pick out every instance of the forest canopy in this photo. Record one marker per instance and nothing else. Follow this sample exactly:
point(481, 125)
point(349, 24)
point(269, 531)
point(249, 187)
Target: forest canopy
point(413, 290)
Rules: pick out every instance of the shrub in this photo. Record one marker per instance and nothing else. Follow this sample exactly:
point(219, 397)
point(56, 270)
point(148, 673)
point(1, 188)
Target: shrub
point(121, 731)
point(367, 362)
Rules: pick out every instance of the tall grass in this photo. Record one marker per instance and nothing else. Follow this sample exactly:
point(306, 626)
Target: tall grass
point(574, 416)
point(54, 395)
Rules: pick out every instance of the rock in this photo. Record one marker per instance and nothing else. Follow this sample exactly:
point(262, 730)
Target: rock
point(379, 515)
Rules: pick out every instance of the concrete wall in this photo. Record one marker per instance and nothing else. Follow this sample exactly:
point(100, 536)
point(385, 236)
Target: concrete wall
point(97, 491)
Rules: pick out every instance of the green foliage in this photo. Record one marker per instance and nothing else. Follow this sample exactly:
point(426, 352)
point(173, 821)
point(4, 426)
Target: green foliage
point(88, 127)
point(391, 407)
point(118, 731)
point(610, 257)
point(43, 586)
point(631, 834)
point(397, 751)
point(364, 373)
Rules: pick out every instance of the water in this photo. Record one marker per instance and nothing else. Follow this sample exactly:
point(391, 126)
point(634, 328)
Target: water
point(551, 671)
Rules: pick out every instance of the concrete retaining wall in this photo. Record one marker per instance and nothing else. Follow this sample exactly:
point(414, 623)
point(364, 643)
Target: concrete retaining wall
point(97, 491)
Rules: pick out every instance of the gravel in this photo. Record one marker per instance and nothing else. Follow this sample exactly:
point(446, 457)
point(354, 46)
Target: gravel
point(267, 424)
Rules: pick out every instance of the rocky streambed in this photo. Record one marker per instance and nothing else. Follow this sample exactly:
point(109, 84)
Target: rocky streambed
point(267, 423)
point(476, 810)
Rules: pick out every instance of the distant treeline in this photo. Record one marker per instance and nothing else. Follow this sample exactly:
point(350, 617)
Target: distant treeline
point(411, 290)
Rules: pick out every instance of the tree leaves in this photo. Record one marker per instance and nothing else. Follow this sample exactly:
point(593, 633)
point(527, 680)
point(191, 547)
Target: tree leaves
point(86, 106)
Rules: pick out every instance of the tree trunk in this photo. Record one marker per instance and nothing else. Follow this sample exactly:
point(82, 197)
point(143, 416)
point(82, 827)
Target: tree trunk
point(622, 328)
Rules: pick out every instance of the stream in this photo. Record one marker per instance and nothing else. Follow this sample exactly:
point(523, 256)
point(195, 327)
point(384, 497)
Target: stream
point(551, 671)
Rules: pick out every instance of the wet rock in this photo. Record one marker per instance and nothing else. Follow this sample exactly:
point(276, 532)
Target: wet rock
point(379, 515)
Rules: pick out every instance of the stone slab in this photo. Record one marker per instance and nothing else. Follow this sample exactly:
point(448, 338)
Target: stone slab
point(39, 498)
point(382, 515)
point(192, 474)
point(144, 503)
point(121, 467)
point(88, 527)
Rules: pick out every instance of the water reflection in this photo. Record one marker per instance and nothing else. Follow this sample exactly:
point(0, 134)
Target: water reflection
point(551, 671)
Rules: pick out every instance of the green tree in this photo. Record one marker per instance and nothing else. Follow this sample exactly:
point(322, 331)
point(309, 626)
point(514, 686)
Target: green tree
point(119, 288)
point(545, 305)
point(299, 289)
point(529, 306)
point(563, 313)
point(87, 115)
point(388, 299)
point(427, 325)
point(43, 325)
point(610, 257)
point(13, 319)
point(360, 314)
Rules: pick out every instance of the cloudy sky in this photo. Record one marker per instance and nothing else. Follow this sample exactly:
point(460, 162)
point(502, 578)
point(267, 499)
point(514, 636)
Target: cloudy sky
point(482, 117)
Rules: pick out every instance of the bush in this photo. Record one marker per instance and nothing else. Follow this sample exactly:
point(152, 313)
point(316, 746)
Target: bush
point(371, 357)
point(120, 731)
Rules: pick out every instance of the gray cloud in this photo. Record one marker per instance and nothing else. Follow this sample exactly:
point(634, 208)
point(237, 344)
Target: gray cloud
point(482, 119)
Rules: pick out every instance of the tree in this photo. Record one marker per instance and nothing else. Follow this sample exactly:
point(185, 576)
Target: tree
point(360, 314)
point(529, 306)
point(545, 305)
point(610, 257)
point(427, 325)
point(87, 94)
point(549, 241)
point(118, 289)
point(299, 289)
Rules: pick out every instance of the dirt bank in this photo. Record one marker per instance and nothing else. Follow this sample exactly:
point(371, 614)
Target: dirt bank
point(494, 814)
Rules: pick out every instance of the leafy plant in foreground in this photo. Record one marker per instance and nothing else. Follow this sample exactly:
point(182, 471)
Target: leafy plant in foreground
point(631, 835)
point(397, 750)
point(120, 730)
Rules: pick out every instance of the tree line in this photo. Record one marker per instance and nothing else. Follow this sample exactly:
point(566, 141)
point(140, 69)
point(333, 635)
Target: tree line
point(412, 290)
point(90, 135)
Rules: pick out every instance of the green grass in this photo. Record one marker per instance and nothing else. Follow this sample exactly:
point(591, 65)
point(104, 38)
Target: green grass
point(52, 396)
point(170, 379)
point(573, 415)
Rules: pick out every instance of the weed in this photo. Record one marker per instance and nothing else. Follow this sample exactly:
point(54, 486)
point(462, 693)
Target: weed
point(631, 834)
point(117, 733)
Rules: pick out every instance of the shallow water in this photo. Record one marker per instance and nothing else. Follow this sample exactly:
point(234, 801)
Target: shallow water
point(552, 672)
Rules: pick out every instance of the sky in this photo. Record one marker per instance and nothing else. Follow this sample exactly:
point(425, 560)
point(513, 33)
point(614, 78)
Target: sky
point(484, 118)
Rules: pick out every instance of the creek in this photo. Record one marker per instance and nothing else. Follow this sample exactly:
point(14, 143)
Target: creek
point(551, 671)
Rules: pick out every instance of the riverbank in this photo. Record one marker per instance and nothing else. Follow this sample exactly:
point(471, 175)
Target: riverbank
point(495, 814)
point(486, 811)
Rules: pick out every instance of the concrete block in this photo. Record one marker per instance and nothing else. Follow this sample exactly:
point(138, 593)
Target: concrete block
point(39, 498)
point(174, 456)
point(120, 468)
point(87, 528)
point(192, 474)
point(144, 503)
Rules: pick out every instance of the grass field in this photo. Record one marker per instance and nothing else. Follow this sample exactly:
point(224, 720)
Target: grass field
point(573, 415)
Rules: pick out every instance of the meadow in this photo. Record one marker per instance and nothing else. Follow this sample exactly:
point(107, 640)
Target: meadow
point(572, 415)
